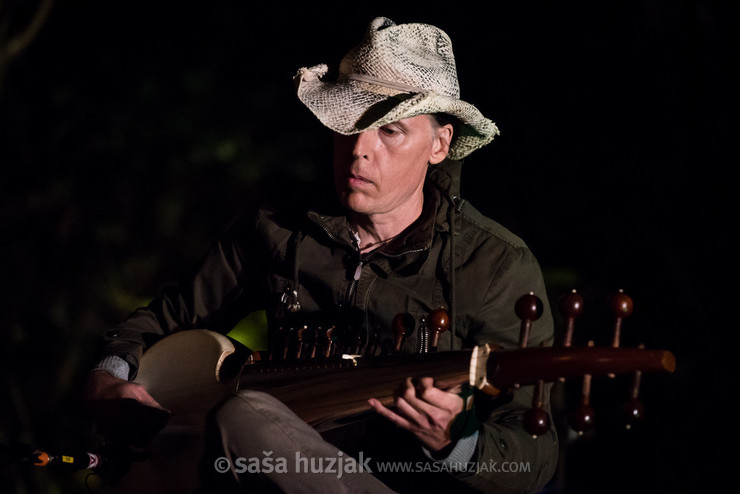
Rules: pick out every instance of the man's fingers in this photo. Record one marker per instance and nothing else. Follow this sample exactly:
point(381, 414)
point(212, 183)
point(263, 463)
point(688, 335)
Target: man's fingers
point(429, 400)
point(104, 386)
point(417, 415)
point(423, 406)
point(140, 394)
point(383, 411)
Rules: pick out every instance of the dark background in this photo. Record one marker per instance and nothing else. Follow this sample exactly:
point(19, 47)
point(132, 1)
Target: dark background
point(132, 133)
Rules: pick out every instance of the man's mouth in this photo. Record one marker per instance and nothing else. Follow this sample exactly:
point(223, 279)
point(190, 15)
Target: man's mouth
point(357, 180)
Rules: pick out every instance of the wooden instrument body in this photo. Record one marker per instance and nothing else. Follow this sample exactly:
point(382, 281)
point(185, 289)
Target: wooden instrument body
point(189, 372)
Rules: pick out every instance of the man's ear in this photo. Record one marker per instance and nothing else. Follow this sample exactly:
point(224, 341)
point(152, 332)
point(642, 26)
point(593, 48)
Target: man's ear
point(441, 144)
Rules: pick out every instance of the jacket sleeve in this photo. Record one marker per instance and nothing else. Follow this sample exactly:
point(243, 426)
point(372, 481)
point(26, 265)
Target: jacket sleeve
point(507, 458)
point(212, 296)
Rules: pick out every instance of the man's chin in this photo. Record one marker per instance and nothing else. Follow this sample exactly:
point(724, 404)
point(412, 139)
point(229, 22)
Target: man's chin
point(356, 203)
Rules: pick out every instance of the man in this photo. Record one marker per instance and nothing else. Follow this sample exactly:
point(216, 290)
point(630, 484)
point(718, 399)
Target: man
point(404, 243)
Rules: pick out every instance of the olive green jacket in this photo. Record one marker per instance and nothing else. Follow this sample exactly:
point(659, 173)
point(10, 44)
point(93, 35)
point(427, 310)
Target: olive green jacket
point(272, 260)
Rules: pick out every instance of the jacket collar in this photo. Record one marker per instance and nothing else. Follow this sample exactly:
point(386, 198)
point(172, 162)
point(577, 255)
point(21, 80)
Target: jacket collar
point(445, 178)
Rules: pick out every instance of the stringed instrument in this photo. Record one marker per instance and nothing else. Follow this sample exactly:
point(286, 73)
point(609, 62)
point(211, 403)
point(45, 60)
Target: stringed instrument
point(190, 371)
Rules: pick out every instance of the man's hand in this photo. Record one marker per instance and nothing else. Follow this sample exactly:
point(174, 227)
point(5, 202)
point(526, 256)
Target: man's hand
point(103, 386)
point(123, 411)
point(424, 410)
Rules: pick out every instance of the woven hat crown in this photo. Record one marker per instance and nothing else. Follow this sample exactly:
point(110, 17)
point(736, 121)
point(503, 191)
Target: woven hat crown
point(415, 55)
point(396, 72)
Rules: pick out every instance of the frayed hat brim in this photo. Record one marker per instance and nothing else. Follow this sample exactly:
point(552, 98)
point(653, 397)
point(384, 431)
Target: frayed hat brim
point(350, 107)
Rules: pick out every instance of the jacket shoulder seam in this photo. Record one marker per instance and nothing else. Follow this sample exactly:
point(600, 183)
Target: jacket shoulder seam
point(492, 228)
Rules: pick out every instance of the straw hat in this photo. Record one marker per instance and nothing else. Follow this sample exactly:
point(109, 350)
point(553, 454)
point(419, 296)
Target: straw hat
point(396, 72)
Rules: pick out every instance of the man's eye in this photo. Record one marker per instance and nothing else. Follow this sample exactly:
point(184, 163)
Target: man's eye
point(388, 130)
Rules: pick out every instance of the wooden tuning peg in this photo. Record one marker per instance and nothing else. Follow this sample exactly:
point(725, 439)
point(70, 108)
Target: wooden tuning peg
point(621, 306)
point(571, 307)
point(314, 341)
point(403, 325)
point(438, 322)
point(632, 411)
point(528, 308)
point(299, 341)
point(536, 420)
point(582, 418)
point(329, 340)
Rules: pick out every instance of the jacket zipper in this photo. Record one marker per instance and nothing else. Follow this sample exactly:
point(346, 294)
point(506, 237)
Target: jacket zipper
point(353, 284)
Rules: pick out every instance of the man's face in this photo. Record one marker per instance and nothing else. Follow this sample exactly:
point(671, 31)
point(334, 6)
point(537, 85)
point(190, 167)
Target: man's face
point(382, 171)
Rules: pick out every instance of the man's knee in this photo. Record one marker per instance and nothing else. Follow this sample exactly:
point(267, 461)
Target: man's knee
point(252, 421)
point(247, 409)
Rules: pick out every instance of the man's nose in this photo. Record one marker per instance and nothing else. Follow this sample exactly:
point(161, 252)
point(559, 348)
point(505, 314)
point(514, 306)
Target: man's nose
point(363, 144)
